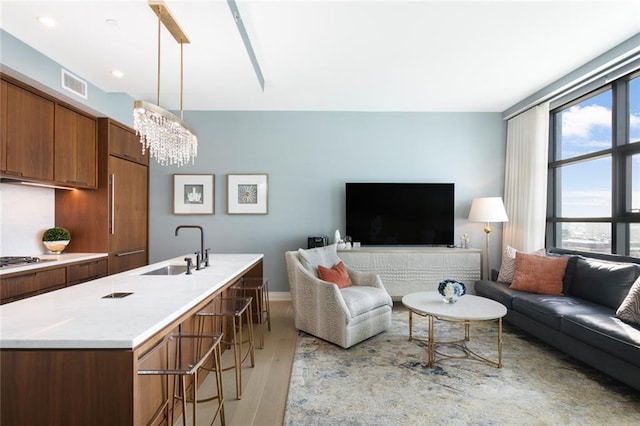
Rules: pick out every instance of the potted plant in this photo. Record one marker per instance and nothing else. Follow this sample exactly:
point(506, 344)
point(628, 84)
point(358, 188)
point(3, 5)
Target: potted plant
point(56, 239)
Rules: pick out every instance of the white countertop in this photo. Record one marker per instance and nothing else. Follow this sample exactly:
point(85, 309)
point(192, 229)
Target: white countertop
point(53, 260)
point(78, 316)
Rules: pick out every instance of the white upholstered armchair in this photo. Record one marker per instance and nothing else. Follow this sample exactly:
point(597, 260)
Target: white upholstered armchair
point(344, 316)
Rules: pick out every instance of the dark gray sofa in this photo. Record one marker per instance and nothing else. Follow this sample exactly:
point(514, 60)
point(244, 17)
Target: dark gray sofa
point(582, 322)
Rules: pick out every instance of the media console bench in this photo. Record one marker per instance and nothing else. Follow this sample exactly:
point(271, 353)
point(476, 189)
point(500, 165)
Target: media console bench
point(409, 270)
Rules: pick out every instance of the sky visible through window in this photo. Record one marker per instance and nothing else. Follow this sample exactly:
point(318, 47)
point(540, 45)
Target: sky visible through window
point(587, 128)
point(586, 186)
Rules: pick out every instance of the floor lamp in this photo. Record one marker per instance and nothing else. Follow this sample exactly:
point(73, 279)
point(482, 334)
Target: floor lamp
point(488, 209)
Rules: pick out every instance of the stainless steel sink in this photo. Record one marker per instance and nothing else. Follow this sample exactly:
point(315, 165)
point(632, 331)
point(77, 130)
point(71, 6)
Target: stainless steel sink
point(168, 270)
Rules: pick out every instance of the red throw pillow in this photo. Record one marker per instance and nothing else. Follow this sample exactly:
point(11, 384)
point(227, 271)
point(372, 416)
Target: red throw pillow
point(337, 275)
point(538, 274)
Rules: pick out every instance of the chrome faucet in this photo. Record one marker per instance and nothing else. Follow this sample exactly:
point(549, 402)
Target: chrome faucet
point(200, 255)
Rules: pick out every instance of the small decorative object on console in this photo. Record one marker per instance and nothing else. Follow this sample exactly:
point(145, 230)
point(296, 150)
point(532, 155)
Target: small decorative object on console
point(56, 239)
point(464, 241)
point(451, 290)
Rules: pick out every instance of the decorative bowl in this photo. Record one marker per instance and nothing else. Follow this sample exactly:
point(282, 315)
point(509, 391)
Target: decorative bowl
point(56, 247)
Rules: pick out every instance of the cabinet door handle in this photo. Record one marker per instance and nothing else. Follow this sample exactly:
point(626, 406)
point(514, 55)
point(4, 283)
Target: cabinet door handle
point(112, 222)
point(129, 253)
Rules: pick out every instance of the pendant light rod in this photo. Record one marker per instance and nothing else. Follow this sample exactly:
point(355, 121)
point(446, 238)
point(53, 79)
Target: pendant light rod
point(181, 78)
point(159, 34)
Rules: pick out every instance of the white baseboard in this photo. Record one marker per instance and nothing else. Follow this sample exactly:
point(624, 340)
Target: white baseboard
point(279, 296)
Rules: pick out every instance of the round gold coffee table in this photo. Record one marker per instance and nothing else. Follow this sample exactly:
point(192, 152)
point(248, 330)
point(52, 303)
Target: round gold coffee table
point(467, 309)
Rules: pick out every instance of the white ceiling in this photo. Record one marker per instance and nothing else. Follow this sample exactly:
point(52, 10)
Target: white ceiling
point(343, 55)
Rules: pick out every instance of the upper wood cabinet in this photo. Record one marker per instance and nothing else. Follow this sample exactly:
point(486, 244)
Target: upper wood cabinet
point(27, 134)
point(3, 127)
point(124, 143)
point(43, 139)
point(76, 148)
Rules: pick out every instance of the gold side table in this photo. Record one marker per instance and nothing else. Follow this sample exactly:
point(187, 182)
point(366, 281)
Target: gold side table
point(467, 309)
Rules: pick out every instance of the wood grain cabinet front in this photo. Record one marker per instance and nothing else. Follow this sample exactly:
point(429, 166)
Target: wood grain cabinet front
point(44, 140)
point(27, 134)
point(23, 285)
point(113, 218)
point(125, 144)
point(76, 148)
point(86, 271)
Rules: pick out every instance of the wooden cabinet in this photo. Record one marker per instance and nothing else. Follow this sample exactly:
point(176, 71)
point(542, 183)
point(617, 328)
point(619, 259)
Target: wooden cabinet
point(114, 217)
point(20, 285)
point(44, 140)
point(86, 271)
point(27, 134)
point(124, 143)
point(128, 224)
point(76, 148)
point(3, 126)
point(27, 284)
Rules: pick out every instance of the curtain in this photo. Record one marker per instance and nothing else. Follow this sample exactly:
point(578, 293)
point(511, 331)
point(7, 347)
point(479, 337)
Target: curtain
point(525, 188)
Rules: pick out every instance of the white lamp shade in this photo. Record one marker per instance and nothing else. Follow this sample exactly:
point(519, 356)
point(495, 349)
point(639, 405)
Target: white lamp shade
point(488, 209)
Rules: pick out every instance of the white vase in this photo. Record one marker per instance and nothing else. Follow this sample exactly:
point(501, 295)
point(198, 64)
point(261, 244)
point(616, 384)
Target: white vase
point(56, 247)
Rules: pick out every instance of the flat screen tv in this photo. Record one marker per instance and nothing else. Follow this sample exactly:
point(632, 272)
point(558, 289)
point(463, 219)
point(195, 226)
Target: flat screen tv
point(388, 214)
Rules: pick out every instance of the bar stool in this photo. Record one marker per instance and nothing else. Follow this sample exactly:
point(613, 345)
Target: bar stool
point(236, 309)
point(182, 356)
point(258, 288)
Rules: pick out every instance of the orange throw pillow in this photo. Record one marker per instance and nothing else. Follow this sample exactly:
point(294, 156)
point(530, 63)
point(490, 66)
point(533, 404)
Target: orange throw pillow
point(538, 274)
point(337, 275)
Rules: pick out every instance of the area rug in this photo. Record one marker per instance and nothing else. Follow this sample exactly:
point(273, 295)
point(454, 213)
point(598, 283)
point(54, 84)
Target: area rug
point(385, 381)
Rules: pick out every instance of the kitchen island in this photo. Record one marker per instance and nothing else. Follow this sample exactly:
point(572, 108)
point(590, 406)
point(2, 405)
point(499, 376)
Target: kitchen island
point(71, 356)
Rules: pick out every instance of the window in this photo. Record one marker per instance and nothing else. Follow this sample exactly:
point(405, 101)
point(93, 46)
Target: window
point(585, 127)
point(634, 110)
point(594, 170)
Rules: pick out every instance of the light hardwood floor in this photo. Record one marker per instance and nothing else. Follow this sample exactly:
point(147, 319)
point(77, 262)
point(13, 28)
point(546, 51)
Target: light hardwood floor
point(265, 386)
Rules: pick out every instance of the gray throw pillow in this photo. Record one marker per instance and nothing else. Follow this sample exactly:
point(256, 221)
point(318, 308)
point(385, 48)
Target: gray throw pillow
point(629, 310)
point(326, 256)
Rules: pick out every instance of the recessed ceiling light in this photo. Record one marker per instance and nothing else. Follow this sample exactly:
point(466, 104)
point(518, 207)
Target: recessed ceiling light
point(46, 21)
point(117, 73)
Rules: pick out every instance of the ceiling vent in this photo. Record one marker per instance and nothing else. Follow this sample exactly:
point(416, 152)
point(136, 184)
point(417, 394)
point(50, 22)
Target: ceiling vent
point(74, 84)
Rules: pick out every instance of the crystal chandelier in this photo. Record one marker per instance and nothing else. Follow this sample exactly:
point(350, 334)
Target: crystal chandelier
point(167, 137)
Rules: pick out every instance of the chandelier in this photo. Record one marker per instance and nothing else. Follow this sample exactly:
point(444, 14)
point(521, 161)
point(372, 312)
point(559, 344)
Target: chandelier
point(167, 137)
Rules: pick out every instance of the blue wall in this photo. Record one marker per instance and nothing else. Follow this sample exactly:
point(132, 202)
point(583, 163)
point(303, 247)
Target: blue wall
point(308, 157)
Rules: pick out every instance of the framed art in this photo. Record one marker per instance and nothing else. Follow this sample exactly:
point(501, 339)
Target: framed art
point(193, 194)
point(247, 194)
